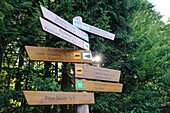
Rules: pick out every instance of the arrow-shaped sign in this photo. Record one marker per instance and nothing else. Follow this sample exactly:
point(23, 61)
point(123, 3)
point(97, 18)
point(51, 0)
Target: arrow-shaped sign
point(54, 98)
point(86, 85)
point(57, 55)
point(77, 21)
point(50, 16)
point(62, 34)
point(96, 73)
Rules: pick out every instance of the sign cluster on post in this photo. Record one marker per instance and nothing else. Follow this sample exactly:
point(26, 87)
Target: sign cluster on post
point(58, 27)
point(97, 73)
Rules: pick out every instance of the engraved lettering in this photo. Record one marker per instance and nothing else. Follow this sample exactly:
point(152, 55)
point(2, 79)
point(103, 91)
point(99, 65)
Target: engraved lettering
point(40, 53)
point(49, 58)
point(49, 98)
point(58, 55)
point(99, 88)
point(61, 98)
point(54, 50)
point(99, 84)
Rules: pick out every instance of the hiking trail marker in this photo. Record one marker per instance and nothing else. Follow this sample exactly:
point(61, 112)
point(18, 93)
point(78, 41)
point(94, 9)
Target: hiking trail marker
point(86, 85)
point(53, 98)
point(58, 55)
point(77, 21)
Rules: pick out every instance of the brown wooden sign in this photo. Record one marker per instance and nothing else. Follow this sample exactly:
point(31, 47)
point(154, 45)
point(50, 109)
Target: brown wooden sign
point(52, 98)
point(85, 85)
point(97, 73)
point(62, 34)
point(77, 21)
point(47, 14)
point(58, 55)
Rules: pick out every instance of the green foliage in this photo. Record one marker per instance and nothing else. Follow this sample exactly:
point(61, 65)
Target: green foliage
point(140, 50)
point(38, 84)
point(10, 101)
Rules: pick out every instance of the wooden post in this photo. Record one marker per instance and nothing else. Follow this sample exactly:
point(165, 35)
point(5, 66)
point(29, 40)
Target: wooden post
point(83, 108)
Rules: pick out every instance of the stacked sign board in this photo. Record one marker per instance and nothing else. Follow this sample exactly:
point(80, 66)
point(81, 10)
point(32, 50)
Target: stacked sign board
point(63, 30)
point(58, 27)
point(96, 73)
point(50, 16)
point(62, 34)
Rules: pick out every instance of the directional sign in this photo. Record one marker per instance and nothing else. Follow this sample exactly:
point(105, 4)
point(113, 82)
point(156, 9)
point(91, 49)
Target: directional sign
point(62, 34)
point(77, 21)
point(97, 73)
point(47, 14)
point(85, 85)
point(58, 55)
point(52, 98)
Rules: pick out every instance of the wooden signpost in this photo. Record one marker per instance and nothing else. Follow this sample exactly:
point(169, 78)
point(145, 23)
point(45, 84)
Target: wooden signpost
point(77, 21)
point(52, 98)
point(97, 73)
point(58, 55)
point(50, 16)
point(62, 34)
point(85, 85)
point(61, 29)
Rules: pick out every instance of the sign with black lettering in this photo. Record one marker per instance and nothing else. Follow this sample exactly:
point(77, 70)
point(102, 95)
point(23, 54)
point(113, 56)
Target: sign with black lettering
point(62, 34)
point(58, 55)
point(50, 16)
point(77, 21)
point(97, 73)
point(54, 98)
point(85, 85)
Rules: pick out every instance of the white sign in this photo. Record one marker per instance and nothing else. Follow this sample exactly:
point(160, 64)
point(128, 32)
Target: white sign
point(77, 21)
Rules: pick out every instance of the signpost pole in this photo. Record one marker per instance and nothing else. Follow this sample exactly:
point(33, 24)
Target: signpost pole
point(83, 108)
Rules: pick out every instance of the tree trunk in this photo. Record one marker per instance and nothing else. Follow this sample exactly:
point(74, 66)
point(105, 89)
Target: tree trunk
point(47, 74)
point(64, 84)
point(9, 73)
point(56, 70)
point(1, 53)
point(19, 75)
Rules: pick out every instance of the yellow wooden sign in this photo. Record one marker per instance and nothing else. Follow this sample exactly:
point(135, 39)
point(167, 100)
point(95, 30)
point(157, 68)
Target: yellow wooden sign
point(86, 85)
point(58, 55)
point(96, 73)
point(53, 98)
